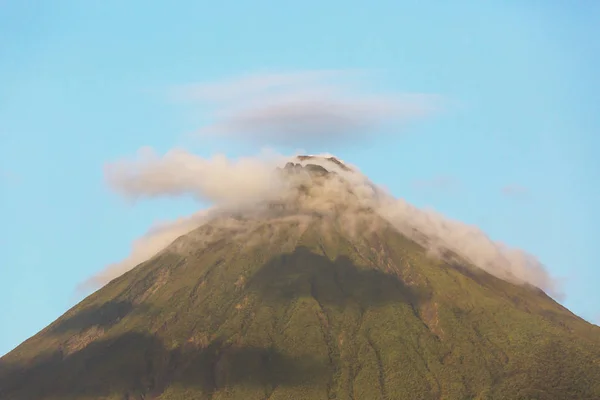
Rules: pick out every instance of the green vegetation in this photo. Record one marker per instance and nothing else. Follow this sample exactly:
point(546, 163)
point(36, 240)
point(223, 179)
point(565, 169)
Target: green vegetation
point(308, 313)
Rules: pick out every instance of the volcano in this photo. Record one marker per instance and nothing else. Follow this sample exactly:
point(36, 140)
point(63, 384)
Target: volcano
point(319, 292)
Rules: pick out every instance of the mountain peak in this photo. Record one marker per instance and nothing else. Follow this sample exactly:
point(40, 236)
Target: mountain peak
point(330, 159)
point(289, 308)
point(320, 165)
point(327, 288)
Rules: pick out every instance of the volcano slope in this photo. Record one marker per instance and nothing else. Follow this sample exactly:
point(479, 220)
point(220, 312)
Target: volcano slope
point(289, 303)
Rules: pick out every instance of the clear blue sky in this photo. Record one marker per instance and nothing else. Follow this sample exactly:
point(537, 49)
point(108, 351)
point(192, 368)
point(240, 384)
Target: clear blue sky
point(82, 83)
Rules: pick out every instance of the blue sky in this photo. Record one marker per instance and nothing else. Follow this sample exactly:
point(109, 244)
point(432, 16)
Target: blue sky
point(84, 83)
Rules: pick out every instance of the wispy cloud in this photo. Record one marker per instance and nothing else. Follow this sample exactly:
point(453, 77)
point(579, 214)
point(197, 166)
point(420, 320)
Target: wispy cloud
point(438, 184)
point(302, 108)
point(7, 176)
point(514, 190)
point(157, 238)
point(246, 86)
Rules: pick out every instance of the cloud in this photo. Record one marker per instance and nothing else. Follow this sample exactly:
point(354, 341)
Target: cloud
point(340, 196)
point(152, 242)
point(438, 183)
point(302, 109)
point(217, 180)
point(9, 177)
point(438, 234)
point(311, 108)
point(515, 191)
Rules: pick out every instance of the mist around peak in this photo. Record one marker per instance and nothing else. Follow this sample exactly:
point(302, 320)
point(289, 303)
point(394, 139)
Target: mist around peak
point(275, 186)
point(300, 108)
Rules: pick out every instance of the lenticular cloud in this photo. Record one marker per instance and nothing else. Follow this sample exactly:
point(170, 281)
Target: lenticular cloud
point(309, 108)
point(300, 109)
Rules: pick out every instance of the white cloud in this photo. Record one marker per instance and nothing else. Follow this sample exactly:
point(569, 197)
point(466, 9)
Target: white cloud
point(249, 181)
point(302, 108)
point(217, 179)
point(438, 233)
point(156, 239)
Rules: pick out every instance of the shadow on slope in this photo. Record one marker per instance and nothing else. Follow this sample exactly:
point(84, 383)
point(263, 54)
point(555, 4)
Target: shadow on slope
point(137, 364)
point(104, 316)
point(304, 273)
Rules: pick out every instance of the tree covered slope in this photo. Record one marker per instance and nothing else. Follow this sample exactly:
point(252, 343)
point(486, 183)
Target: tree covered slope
point(300, 308)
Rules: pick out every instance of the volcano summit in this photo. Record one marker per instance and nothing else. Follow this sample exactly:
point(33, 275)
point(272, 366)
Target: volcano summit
point(322, 287)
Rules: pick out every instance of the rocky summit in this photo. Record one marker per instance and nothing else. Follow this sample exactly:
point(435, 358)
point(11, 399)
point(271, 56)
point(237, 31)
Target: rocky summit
point(316, 294)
